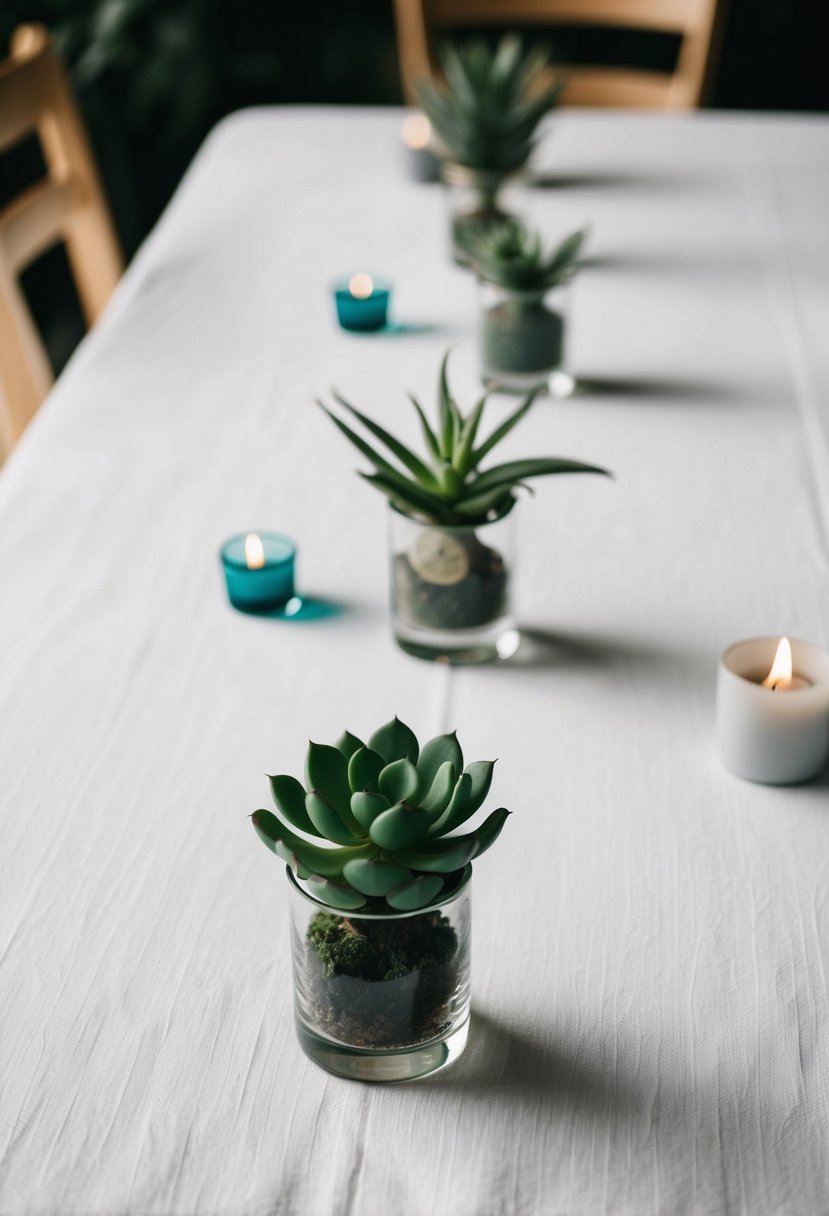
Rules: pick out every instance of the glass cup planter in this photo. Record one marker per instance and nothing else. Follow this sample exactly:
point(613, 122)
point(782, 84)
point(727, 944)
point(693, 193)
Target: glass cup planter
point(450, 589)
point(382, 996)
point(522, 339)
point(479, 199)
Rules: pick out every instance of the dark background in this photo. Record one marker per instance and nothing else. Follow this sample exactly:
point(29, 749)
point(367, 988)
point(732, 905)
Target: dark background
point(153, 76)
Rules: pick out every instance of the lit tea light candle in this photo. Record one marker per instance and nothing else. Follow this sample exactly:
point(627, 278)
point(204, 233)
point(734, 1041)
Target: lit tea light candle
point(254, 551)
point(259, 572)
point(361, 286)
point(362, 303)
point(781, 678)
point(421, 163)
point(772, 722)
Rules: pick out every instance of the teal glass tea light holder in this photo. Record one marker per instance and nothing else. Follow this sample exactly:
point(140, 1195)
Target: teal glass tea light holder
point(259, 572)
point(362, 303)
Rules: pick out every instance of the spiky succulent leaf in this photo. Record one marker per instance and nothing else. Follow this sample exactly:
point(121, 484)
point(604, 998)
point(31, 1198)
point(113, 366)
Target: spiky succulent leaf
point(415, 894)
point(457, 805)
point(454, 490)
point(514, 471)
point(450, 480)
point(445, 410)
point(401, 782)
point(420, 471)
point(399, 827)
point(289, 796)
point(364, 769)
point(371, 876)
point(468, 846)
point(493, 502)
point(480, 773)
point(290, 847)
point(366, 806)
point(410, 499)
point(428, 434)
point(462, 459)
point(490, 830)
point(441, 856)
point(395, 741)
point(513, 257)
point(435, 753)
point(504, 428)
point(328, 822)
point(348, 744)
point(464, 807)
point(326, 771)
point(441, 790)
point(335, 894)
point(564, 260)
point(271, 831)
point(487, 111)
point(380, 463)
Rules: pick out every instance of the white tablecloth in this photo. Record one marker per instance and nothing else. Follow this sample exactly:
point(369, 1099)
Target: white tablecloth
point(650, 935)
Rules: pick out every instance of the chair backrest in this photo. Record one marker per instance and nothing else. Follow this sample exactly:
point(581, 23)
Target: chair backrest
point(65, 205)
point(418, 21)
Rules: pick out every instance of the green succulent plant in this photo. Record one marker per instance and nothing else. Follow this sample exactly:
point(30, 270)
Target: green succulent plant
point(448, 485)
point(387, 807)
point(513, 257)
point(487, 112)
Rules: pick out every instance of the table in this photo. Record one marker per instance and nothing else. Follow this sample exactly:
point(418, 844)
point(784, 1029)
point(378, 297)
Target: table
point(650, 935)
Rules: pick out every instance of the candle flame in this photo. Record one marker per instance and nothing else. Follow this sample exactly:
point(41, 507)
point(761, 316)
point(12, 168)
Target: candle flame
point(417, 131)
point(780, 677)
point(361, 285)
point(254, 552)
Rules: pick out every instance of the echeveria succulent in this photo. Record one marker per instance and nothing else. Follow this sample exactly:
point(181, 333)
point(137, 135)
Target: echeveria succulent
point(487, 113)
point(385, 811)
point(446, 485)
point(516, 259)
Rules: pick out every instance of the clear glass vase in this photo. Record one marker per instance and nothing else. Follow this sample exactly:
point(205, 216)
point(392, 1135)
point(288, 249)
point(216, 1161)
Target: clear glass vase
point(451, 589)
point(382, 996)
point(479, 199)
point(522, 339)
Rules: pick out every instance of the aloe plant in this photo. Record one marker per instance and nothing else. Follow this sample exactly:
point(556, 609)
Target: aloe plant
point(487, 112)
point(374, 823)
point(522, 337)
point(515, 258)
point(447, 484)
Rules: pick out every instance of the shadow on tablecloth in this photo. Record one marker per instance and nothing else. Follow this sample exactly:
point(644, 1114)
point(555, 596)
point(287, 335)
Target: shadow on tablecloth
point(662, 388)
point(566, 650)
point(508, 1067)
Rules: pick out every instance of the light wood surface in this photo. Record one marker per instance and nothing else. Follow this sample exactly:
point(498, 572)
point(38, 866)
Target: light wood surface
point(67, 205)
point(420, 22)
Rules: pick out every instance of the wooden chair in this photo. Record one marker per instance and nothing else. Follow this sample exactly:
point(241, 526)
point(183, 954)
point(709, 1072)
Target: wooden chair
point(66, 205)
point(693, 20)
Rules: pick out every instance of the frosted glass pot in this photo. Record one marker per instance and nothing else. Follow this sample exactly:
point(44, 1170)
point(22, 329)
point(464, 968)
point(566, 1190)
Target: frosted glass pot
point(479, 200)
point(522, 339)
point(382, 996)
point(451, 589)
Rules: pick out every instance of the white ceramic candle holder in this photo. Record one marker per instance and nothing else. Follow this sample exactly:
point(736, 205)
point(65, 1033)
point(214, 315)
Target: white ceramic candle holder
point(774, 737)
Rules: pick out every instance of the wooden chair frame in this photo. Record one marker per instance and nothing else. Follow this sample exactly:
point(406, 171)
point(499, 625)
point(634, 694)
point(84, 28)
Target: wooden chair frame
point(66, 205)
point(696, 21)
